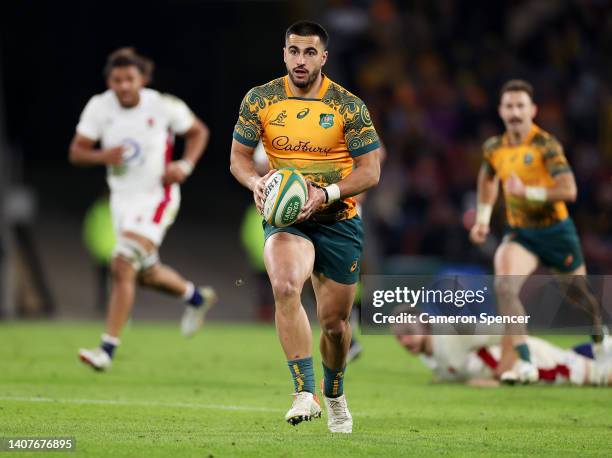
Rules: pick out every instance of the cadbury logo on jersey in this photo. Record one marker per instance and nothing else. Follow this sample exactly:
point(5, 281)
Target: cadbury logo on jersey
point(283, 143)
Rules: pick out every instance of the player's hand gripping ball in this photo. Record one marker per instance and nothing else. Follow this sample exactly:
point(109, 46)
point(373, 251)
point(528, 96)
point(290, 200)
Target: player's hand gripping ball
point(285, 194)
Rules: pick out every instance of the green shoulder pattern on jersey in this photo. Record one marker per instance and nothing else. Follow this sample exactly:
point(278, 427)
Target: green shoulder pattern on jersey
point(268, 94)
point(248, 128)
point(491, 144)
point(553, 156)
point(540, 139)
point(359, 132)
point(488, 148)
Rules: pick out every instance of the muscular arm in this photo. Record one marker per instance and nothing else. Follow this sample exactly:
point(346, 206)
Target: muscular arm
point(196, 140)
point(243, 168)
point(242, 165)
point(486, 195)
point(365, 175)
point(564, 188)
point(381, 152)
point(487, 187)
point(83, 153)
point(482, 382)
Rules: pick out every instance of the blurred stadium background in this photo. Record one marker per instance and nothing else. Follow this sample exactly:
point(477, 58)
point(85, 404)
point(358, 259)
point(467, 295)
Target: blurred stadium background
point(429, 72)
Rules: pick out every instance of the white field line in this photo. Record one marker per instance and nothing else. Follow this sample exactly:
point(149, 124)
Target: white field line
point(181, 405)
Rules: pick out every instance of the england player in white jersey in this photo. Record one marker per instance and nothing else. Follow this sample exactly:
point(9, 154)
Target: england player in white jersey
point(135, 128)
point(477, 359)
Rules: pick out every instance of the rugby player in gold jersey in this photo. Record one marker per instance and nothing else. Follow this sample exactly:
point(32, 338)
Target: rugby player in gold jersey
point(537, 181)
point(309, 123)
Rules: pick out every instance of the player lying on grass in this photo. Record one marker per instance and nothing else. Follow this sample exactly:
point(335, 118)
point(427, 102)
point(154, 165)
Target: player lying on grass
point(479, 360)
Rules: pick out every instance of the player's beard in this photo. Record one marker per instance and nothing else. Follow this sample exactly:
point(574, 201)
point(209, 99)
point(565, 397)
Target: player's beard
point(312, 76)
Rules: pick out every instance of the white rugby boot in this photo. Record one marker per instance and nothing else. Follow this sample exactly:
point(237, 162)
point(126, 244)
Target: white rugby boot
point(522, 372)
point(339, 419)
point(193, 317)
point(96, 358)
point(305, 407)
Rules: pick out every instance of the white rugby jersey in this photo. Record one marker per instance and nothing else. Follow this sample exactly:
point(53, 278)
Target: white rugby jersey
point(452, 357)
point(146, 130)
point(459, 358)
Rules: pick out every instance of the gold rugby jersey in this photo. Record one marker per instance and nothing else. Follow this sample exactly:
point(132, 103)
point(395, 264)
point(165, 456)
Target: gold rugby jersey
point(317, 136)
point(536, 162)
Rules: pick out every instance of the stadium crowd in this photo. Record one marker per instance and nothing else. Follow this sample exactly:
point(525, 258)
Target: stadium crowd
point(430, 72)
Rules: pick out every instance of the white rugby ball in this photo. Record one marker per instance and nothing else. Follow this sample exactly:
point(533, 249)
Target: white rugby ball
point(285, 193)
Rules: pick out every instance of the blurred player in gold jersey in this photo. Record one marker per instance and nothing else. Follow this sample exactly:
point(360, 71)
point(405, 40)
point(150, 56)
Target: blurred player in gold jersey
point(537, 181)
point(308, 122)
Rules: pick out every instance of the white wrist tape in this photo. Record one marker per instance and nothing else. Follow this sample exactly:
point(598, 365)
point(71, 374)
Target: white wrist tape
point(483, 213)
point(536, 193)
point(185, 166)
point(333, 193)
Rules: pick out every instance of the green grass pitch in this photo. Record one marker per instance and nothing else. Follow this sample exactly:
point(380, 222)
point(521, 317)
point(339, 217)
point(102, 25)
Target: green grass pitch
point(225, 392)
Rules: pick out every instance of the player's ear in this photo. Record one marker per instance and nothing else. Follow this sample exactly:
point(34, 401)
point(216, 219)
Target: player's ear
point(284, 54)
point(324, 57)
point(534, 110)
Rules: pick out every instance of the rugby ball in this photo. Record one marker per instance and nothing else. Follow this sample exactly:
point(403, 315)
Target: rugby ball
point(285, 194)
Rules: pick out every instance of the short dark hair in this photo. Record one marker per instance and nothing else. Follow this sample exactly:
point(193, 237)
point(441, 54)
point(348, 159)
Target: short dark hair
point(517, 86)
point(307, 29)
point(125, 57)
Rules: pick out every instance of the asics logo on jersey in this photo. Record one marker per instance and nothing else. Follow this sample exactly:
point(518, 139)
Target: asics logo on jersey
point(280, 119)
point(302, 114)
point(528, 159)
point(283, 143)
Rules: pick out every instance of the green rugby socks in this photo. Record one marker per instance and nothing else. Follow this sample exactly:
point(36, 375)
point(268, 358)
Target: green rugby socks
point(523, 352)
point(333, 382)
point(303, 374)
